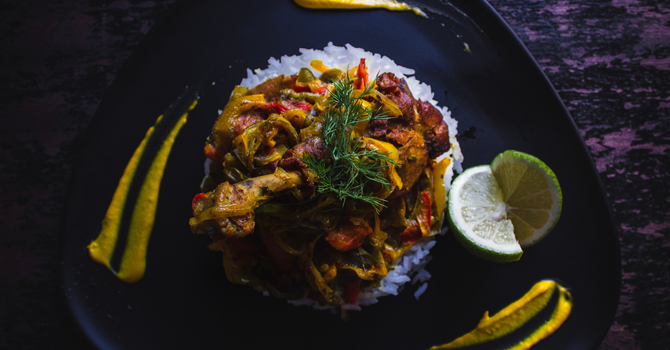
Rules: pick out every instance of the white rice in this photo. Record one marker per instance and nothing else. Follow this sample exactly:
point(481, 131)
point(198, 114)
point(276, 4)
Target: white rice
point(412, 263)
point(420, 291)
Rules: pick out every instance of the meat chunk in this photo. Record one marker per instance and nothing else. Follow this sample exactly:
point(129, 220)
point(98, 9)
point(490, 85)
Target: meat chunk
point(314, 146)
point(397, 90)
point(437, 131)
point(420, 133)
point(230, 208)
point(291, 161)
point(248, 118)
point(413, 159)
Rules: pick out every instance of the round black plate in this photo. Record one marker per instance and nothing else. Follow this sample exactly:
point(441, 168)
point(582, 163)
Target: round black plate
point(185, 301)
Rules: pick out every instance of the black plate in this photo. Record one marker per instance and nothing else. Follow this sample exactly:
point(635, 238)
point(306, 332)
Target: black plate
point(185, 301)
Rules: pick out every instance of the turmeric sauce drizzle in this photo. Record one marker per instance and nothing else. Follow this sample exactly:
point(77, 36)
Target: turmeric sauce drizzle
point(360, 4)
point(561, 313)
point(516, 315)
point(133, 262)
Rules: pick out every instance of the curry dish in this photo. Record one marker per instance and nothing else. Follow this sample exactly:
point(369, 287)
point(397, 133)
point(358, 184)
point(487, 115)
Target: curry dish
point(305, 205)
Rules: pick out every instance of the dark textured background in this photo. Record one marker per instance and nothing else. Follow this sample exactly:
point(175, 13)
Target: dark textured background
point(608, 60)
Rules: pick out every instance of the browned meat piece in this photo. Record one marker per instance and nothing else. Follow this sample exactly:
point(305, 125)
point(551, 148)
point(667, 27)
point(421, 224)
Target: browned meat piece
point(413, 160)
point(244, 223)
point(421, 132)
point(398, 91)
point(379, 128)
point(230, 208)
point(401, 134)
point(390, 84)
point(437, 132)
point(218, 142)
point(248, 118)
point(229, 124)
point(313, 146)
point(272, 88)
point(292, 162)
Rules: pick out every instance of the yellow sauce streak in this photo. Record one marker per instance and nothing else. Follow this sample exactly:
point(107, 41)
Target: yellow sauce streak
point(516, 315)
point(133, 262)
point(102, 248)
point(360, 4)
point(561, 313)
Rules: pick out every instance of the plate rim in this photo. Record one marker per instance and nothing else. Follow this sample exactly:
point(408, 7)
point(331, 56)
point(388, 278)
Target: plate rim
point(483, 9)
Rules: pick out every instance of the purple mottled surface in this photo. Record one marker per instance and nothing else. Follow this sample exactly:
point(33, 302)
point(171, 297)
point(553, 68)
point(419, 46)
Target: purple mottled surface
point(610, 63)
point(608, 60)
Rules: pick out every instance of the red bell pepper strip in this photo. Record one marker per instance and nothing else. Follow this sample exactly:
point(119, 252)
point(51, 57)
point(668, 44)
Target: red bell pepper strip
point(301, 88)
point(298, 105)
point(198, 197)
point(362, 75)
point(425, 207)
point(411, 235)
point(276, 105)
point(351, 288)
point(305, 106)
point(347, 236)
point(210, 152)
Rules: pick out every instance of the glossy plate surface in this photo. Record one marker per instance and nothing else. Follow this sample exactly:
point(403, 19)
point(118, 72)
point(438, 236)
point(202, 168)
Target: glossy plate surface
point(185, 301)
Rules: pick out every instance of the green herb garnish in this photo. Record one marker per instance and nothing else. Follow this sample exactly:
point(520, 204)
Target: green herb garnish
point(354, 166)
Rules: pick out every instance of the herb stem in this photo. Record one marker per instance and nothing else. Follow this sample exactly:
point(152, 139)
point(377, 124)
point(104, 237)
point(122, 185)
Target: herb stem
point(354, 167)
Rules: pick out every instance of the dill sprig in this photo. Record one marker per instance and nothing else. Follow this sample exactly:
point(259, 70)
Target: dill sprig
point(354, 166)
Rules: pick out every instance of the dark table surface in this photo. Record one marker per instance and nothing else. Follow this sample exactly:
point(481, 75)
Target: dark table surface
point(608, 60)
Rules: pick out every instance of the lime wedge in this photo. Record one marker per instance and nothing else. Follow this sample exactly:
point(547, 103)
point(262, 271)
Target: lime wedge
point(496, 210)
point(477, 216)
point(532, 195)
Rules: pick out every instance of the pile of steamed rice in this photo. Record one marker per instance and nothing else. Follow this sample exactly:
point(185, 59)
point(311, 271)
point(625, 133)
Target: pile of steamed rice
point(411, 266)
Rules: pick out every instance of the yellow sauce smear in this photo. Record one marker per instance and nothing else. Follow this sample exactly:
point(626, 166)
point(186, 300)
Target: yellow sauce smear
point(360, 4)
point(516, 315)
point(561, 313)
point(133, 262)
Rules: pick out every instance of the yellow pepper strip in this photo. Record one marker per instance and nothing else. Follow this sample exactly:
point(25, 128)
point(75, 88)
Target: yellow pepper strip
point(508, 319)
point(439, 190)
point(315, 85)
point(387, 105)
point(296, 117)
point(361, 125)
point(353, 72)
point(318, 65)
point(385, 147)
point(283, 123)
point(395, 253)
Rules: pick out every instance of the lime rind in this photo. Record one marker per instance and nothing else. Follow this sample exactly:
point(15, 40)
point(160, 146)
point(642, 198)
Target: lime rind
point(512, 156)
